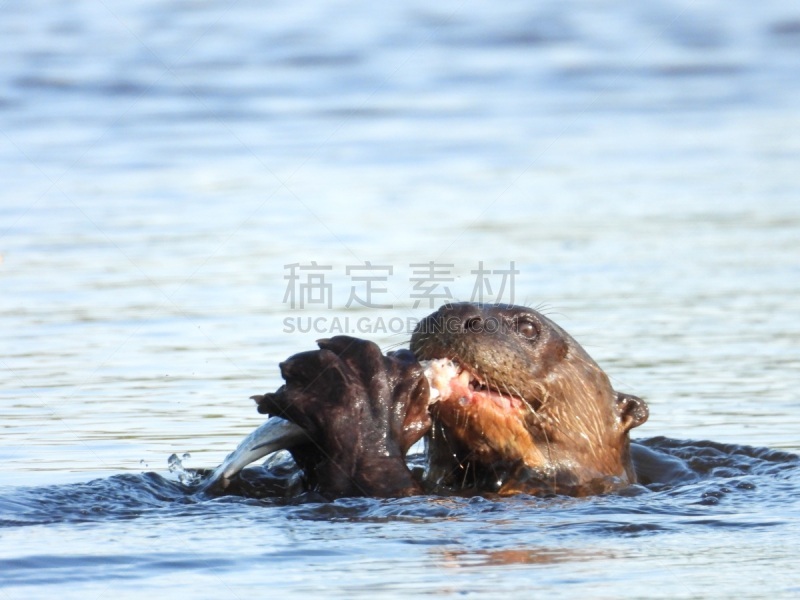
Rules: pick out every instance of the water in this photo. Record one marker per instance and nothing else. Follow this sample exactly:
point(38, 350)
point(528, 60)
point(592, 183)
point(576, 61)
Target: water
point(163, 161)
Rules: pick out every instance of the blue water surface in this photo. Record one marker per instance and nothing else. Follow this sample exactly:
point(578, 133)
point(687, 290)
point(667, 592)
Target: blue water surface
point(163, 162)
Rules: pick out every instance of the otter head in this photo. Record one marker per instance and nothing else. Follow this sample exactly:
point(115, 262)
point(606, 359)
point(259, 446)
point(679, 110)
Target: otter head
point(524, 407)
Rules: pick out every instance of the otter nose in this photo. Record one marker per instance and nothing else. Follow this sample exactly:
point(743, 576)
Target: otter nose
point(474, 324)
point(462, 316)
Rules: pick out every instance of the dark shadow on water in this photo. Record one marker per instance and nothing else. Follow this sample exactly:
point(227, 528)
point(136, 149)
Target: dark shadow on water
point(702, 481)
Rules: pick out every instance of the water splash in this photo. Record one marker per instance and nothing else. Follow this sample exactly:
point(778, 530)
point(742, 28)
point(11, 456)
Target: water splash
point(176, 468)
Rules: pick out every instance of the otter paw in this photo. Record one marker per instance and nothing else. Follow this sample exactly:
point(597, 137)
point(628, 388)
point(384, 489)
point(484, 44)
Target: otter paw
point(362, 410)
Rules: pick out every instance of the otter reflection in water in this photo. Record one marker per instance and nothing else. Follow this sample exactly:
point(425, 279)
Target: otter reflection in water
point(507, 400)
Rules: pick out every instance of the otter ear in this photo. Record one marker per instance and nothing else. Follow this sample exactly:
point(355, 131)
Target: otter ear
point(632, 411)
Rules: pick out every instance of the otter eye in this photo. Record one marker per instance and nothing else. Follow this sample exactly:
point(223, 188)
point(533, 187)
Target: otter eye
point(527, 329)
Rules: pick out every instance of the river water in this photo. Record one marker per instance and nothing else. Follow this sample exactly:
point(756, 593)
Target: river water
point(165, 163)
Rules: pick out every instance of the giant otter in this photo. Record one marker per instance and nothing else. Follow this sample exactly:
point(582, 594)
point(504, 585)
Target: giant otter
point(509, 403)
point(528, 409)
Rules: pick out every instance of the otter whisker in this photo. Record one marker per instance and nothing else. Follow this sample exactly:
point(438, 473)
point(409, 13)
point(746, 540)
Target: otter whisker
point(401, 344)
